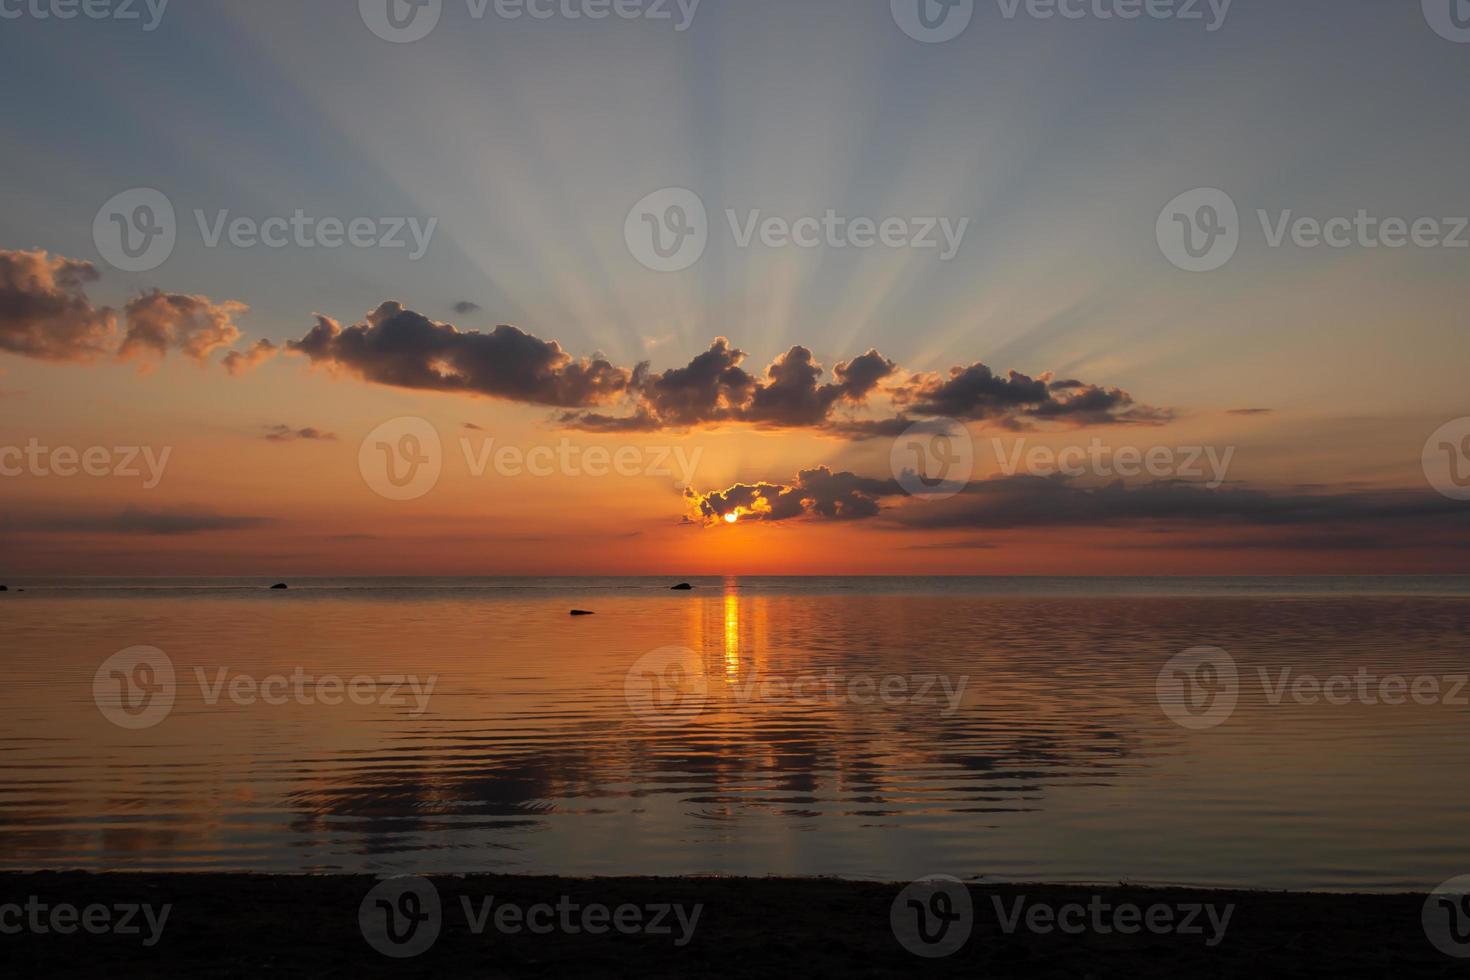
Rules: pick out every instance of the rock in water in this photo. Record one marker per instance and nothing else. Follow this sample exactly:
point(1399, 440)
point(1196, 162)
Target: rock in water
point(4, 588)
point(682, 587)
point(582, 612)
point(280, 585)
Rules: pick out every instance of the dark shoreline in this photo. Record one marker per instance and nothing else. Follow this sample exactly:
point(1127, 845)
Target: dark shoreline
point(237, 925)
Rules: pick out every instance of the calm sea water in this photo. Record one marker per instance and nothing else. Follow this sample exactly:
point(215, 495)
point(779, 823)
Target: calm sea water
point(869, 728)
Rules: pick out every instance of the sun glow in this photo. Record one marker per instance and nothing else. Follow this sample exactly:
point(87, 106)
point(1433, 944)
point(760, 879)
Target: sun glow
point(731, 518)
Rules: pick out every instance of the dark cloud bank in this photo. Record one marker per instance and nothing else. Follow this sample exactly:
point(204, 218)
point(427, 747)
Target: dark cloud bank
point(399, 347)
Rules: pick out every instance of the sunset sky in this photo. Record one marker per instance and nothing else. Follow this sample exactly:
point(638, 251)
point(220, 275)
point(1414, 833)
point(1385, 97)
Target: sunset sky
point(527, 142)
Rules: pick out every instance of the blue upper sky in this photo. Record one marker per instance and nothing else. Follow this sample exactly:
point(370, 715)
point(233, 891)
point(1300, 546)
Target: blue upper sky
point(529, 140)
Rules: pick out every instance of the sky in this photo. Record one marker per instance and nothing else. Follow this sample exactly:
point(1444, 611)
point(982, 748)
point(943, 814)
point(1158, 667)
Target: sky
point(896, 274)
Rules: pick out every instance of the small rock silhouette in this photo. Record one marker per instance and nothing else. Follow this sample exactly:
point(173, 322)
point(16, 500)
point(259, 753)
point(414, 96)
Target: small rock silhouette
point(582, 612)
point(280, 585)
point(682, 587)
point(4, 588)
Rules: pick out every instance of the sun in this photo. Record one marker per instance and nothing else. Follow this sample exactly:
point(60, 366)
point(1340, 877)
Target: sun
point(731, 517)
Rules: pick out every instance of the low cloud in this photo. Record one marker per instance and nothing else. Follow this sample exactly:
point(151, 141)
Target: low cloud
point(195, 326)
point(715, 388)
point(403, 349)
point(165, 522)
point(284, 433)
point(1016, 400)
point(817, 493)
point(45, 314)
point(242, 362)
point(1291, 517)
point(44, 310)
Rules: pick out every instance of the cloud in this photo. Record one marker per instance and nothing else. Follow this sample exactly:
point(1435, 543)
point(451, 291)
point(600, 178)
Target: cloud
point(404, 349)
point(976, 393)
point(284, 433)
point(1257, 518)
point(715, 388)
point(465, 307)
point(1251, 411)
point(159, 322)
point(45, 314)
point(1027, 501)
point(163, 522)
point(242, 362)
point(44, 310)
point(817, 493)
